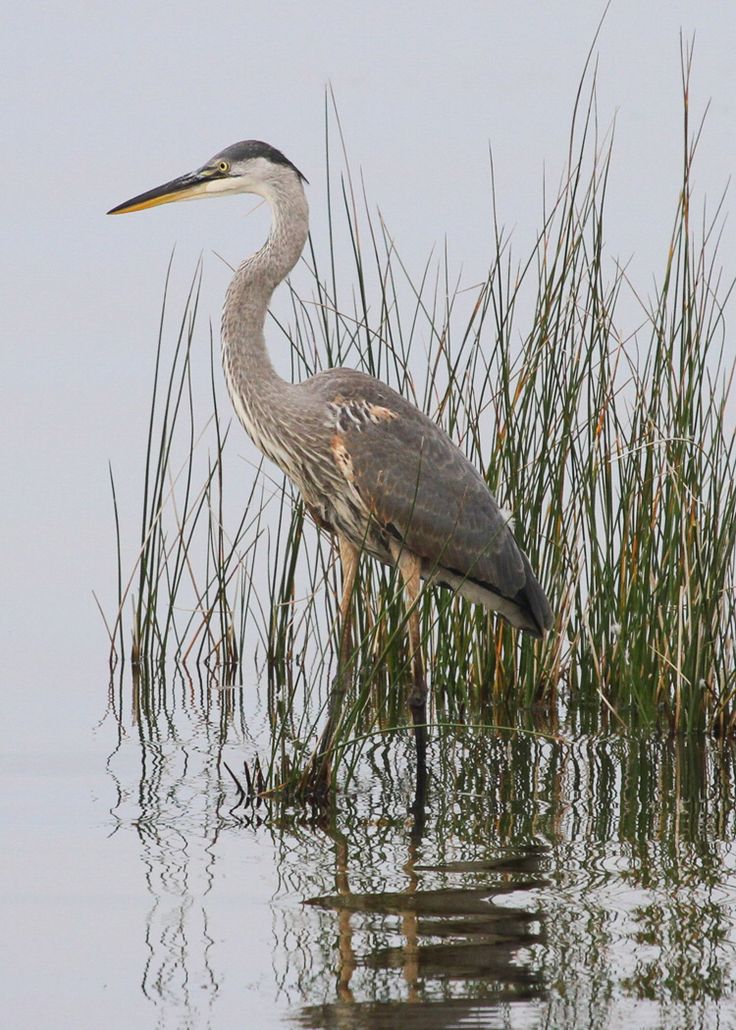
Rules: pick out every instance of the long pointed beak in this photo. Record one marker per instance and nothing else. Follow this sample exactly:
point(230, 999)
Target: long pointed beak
point(186, 187)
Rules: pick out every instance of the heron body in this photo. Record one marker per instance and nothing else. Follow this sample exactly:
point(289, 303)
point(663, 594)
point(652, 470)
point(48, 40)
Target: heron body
point(370, 466)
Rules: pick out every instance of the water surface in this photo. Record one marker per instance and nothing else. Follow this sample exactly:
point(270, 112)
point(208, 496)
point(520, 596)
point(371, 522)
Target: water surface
point(557, 880)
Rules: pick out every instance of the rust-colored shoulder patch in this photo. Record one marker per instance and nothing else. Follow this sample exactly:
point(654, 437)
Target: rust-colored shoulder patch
point(357, 414)
point(342, 458)
point(377, 413)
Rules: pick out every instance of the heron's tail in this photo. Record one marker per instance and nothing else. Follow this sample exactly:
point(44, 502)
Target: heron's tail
point(535, 614)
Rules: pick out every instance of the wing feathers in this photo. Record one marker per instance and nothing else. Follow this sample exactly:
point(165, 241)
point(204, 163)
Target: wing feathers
point(411, 476)
point(421, 489)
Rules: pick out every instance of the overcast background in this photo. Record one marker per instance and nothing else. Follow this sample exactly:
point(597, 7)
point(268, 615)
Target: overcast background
point(103, 100)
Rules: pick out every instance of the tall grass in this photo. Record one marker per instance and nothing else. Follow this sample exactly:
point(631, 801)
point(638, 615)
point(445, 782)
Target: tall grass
point(613, 449)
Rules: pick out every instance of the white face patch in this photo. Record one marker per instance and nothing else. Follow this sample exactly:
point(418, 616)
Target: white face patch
point(257, 178)
point(223, 187)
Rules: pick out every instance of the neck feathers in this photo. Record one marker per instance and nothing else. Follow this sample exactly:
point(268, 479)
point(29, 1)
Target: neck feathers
point(255, 388)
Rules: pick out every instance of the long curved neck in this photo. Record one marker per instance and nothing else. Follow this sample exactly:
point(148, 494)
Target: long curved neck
point(255, 387)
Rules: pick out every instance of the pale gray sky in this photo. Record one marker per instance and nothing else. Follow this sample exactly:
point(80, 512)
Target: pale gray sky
point(102, 100)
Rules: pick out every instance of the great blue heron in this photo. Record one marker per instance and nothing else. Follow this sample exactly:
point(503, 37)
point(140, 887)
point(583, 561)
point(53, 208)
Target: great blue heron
point(371, 467)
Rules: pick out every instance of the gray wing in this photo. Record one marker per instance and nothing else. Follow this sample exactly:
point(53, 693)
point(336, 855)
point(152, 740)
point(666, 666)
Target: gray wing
point(423, 490)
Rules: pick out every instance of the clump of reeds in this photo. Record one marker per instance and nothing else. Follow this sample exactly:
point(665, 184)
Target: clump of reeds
point(611, 447)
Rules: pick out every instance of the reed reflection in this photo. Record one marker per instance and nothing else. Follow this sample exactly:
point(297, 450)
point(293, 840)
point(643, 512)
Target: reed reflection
point(624, 846)
point(170, 790)
point(541, 877)
point(439, 943)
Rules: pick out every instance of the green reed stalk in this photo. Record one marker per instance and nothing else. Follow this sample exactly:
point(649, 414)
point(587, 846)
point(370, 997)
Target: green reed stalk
point(612, 448)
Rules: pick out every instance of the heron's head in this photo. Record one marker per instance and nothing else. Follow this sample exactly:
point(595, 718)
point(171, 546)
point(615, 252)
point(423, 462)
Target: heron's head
point(247, 167)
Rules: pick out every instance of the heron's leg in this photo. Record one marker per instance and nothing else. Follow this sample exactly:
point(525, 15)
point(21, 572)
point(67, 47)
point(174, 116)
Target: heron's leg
point(410, 567)
point(349, 555)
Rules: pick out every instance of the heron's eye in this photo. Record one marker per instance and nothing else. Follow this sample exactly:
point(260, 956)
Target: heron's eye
point(223, 167)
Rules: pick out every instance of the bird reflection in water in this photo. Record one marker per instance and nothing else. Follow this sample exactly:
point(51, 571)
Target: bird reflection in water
point(459, 952)
point(402, 929)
